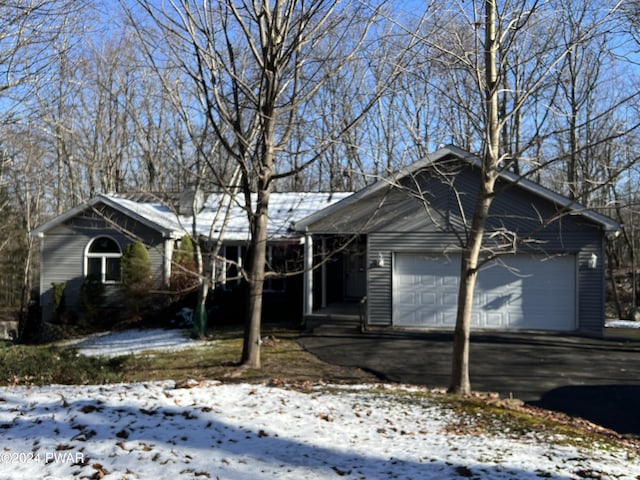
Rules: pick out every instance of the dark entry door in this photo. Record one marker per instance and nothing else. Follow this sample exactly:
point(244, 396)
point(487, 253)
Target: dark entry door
point(355, 273)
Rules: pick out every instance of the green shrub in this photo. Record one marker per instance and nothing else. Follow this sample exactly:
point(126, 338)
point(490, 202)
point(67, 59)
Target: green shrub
point(136, 264)
point(59, 305)
point(183, 277)
point(136, 277)
point(184, 254)
point(92, 299)
point(45, 365)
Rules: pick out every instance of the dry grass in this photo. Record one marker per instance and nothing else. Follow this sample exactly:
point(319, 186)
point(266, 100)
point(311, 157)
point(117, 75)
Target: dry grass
point(284, 362)
point(283, 359)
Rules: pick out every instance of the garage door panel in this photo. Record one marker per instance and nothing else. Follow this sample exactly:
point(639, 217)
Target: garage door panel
point(490, 301)
point(449, 320)
point(428, 281)
point(518, 292)
point(410, 297)
point(429, 298)
point(449, 299)
point(495, 320)
point(450, 282)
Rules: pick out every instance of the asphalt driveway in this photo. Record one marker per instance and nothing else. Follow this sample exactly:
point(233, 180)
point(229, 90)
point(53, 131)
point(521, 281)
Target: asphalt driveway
point(596, 379)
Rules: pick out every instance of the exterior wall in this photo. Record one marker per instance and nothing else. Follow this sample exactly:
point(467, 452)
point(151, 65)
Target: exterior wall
point(379, 278)
point(63, 248)
point(513, 210)
point(590, 294)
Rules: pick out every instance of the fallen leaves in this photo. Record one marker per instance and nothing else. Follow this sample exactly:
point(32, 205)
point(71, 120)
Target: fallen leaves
point(464, 471)
point(188, 383)
point(89, 409)
point(100, 471)
point(341, 472)
point(85, 433)
point(326, 417)
point(252, 431)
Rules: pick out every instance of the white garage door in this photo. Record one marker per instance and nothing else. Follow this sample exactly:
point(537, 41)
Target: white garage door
point(516, 292)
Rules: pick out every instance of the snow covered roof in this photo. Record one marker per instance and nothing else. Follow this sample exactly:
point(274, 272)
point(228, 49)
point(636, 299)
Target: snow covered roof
point(221, 214)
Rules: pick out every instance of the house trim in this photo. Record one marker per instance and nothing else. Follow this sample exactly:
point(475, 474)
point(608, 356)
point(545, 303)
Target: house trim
point(100, 198)
point(572, 207)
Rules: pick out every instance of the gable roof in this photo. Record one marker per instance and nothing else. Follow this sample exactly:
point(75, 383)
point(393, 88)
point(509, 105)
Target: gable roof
point(572, 207)
point(284, 210)
point(111, 201)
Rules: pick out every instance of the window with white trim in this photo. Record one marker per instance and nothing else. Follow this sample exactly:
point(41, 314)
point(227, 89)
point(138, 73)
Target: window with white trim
point(102, 260)
point(281, 259)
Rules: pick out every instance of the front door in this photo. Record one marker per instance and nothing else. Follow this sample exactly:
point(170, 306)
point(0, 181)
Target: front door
point(355, 273)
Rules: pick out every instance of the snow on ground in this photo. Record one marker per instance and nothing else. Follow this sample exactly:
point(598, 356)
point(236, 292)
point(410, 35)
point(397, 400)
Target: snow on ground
point(622, 324)
point(134, 341)
point(241, 431)
point(155, 430)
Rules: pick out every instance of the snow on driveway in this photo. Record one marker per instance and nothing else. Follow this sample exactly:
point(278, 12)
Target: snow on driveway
point(243, 431)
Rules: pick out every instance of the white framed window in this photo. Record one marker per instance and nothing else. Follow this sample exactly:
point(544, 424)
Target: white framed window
point(282, 258)
point(102, 260)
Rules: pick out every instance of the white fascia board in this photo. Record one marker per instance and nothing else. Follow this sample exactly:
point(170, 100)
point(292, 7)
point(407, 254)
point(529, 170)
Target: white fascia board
point(100, 198)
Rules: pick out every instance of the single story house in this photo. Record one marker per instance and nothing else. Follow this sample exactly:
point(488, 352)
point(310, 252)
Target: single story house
point(545, 254)
point(89, 240)
point(387, 255)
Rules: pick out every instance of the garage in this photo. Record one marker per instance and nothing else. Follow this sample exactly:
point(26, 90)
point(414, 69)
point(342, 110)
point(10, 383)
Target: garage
point(536, 292)
point(407, 221)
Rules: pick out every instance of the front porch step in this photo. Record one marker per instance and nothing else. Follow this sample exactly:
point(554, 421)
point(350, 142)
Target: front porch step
point(332, 324)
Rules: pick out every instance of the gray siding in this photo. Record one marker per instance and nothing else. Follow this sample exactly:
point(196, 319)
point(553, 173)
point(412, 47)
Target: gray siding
point(590, 294)
point(63, 248)
point(379, 279)
point(541, 228)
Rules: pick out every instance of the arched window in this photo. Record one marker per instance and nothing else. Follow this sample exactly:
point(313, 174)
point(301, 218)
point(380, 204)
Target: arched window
point(102, 260)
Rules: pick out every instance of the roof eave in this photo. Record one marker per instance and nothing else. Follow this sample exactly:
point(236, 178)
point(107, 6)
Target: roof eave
point(385, 182)
point(608, 225)
point(100, 198)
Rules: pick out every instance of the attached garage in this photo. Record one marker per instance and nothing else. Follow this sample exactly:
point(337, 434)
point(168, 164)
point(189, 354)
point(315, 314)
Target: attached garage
point(551, 276)
point(516, 292)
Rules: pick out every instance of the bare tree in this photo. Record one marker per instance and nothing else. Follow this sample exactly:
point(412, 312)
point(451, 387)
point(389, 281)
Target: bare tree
point(26, 188)
point(498, 29)
point(29, 30)
point(255, 67)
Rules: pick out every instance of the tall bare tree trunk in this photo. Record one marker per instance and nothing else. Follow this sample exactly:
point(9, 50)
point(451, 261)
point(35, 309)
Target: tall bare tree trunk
point(200, 313)
point(256, 274)
point(468, 275)
point(460, 383)
point(261, 72)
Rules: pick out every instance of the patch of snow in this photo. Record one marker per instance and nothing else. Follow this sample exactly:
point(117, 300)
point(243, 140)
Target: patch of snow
point(622, 324)
point(135, 341)
point(241, 431)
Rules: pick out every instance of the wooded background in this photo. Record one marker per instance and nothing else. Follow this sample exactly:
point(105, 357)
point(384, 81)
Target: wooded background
point(112, 97)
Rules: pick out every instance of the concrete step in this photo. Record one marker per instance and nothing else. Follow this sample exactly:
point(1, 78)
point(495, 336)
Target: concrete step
point(333, 326)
